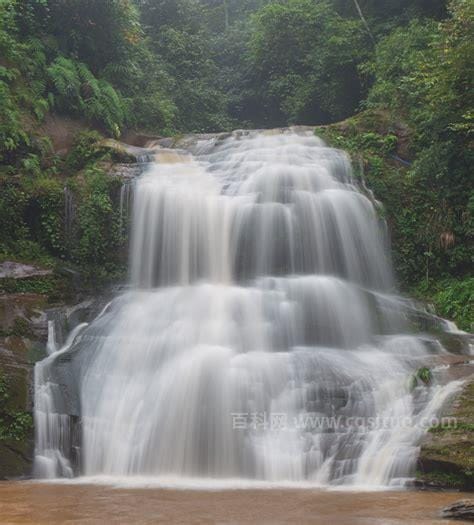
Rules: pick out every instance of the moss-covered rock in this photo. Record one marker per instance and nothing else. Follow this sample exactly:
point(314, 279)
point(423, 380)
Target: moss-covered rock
point(447, 452)
point(23, 334)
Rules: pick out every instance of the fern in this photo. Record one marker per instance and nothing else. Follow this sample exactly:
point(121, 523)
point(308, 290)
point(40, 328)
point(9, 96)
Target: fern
point(65, 80)
point(77, 90)
point(40, 108)
point(12, 134)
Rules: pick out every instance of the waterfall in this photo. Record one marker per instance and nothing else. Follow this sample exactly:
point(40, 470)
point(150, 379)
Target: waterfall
point(262, 337)
point(124, 204)
point(69, 212)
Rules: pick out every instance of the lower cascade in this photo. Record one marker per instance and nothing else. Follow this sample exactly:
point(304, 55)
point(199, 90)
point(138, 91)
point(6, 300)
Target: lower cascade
point(261, 337)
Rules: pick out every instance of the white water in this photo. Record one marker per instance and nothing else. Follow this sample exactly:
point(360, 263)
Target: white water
point(261, 305)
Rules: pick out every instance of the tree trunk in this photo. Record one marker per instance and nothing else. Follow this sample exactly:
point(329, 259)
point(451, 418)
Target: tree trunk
point(364, 21)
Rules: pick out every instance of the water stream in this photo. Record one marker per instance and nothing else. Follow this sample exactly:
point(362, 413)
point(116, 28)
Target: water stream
point(261, 338)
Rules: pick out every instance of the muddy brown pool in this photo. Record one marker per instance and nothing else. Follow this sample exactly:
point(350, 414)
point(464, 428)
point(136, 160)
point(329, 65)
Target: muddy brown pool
point(46, 503)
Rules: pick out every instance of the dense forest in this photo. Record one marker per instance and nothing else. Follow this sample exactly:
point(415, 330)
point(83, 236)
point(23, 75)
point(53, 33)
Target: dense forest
point(387, 80)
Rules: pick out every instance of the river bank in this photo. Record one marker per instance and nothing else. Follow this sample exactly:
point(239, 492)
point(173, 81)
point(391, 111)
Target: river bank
point(29, 502)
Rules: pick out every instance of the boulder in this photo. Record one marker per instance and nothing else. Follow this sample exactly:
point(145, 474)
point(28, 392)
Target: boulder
point(124, 153)
point(460, 510)
point(16, 270)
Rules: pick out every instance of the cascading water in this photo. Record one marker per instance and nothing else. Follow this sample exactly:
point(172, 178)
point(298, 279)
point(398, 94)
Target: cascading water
point(260, 326)
point(69, 211)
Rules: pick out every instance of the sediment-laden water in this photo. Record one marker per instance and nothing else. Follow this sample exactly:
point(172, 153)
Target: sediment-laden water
point(45, 503)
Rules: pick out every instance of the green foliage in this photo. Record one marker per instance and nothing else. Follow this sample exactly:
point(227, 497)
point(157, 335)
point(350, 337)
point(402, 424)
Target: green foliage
point(449, 480)
point(77, 91)
point(99, 239)
point(41, 285)
point(27, 251)
point(180, 38)
point(424, 376)
point(30, 164)
point(12, 134)
point(397, 63)
point(423, 72)
point(20, 87)
point(463, 427)
point(15, 425)
point(12, 206)
point(85, 150)
point(454, 299)
point(304, 57)
point(170, 66)
point(97, 33)
point(32, 210)
point(20, 328)
point(44, 212)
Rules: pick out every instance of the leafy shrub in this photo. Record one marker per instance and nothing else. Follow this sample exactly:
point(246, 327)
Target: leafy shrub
point(423, 74)
point(99, 240)
point(455, 300)
point(15, 425)
point(13, 201)
point(76, 90)
point(85, 150)
point(12, 133)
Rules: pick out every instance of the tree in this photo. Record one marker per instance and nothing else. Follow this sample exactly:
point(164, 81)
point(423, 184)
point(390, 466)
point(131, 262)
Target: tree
point(305, 60)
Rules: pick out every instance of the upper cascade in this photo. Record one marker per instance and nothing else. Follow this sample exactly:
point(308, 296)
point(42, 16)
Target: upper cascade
point(254, 205)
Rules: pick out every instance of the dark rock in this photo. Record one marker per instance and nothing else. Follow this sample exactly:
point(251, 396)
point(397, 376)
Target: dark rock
point(460, 510)
point(24, 319)
point(125, 171)
point(23, 314)
point(23, 335)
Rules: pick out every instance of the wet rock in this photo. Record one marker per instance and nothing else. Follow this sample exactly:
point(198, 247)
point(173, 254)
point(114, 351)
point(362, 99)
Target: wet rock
point(446, 458)
point(23, 334)
point(124, 153)
point(192, 141)
point(125, 171)
point(140, 139)
point(24, 319)
point(67, 317)
point(16, 420)
point(460, 510)
point(23, 314)
point(16, 270)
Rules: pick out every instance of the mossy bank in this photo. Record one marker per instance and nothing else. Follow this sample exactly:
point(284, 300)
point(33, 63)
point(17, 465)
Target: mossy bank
point(447, 452)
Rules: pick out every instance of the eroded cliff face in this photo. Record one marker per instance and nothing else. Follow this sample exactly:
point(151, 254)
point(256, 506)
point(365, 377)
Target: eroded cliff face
point(23, 335)
point(34, 313)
